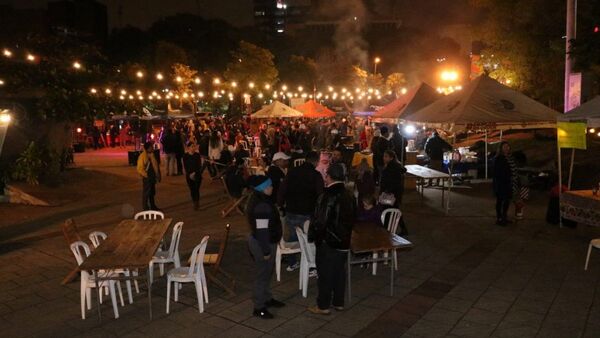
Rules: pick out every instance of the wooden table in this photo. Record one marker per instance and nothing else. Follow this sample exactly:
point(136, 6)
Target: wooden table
point(131, 245)
point(368, 238)
point(581, 206)
point(423, 173)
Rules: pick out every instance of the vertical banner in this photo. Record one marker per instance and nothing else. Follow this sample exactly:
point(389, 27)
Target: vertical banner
point(574, 91)
point(571, 135)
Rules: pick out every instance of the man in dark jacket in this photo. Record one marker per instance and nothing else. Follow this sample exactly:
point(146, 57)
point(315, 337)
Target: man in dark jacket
point(331, 231)
point(435, 148)
point(298, 195)
point(192, 163)
point(265, 226)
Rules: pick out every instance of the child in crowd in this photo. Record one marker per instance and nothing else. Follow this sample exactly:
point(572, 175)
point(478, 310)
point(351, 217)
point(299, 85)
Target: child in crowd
point(369, 211)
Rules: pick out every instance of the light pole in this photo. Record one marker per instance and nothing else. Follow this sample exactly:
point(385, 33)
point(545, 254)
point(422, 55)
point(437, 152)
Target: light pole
point(5, 119)
point(375, 62)
point(570, 35)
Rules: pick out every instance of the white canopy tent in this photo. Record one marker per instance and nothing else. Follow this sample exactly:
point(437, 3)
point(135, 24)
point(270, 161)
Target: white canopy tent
point(485, 104)
point(276, 110)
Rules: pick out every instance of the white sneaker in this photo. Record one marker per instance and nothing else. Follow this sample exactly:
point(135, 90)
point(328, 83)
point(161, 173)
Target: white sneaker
point(293, 267)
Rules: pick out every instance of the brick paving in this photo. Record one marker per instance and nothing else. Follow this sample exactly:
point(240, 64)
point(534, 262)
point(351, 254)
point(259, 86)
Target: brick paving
point(465, 276)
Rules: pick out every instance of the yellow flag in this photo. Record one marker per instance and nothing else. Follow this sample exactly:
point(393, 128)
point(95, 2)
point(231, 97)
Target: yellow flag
point(571, 135)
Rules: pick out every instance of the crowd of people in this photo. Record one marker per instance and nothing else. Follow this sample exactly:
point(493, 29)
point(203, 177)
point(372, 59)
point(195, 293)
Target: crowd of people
point(323, 187)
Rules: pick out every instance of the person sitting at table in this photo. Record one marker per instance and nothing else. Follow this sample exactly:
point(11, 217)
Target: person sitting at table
point(365, 182)
point(265, 226)
point(368, 210)
point(330, 230)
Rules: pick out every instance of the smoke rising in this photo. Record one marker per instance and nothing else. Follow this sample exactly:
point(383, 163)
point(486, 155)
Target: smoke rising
point(351, 16)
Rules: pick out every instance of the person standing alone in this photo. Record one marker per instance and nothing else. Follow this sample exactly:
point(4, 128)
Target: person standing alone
point(331, 231)
point(148, 168)
point(505, 182)
point(192, 164)
point(265, 225)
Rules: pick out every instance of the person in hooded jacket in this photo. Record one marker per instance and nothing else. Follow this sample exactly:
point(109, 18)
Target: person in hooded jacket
point(265, 225)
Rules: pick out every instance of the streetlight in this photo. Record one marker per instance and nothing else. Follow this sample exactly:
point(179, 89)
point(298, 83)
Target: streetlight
point(5, 119)
point(449, 75)
point(375, 62)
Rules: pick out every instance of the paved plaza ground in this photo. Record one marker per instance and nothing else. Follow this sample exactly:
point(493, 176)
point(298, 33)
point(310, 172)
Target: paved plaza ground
point(465, 276)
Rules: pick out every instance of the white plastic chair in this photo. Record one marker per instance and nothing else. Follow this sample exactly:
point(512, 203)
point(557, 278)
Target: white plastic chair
point(170, 256)
point(189, 274)
point(98, 236)
point(88, 282)
point(307, 260)
point(149, 215)
point(299, 161)
point(594, 243)
point(392, 225)
point(284, 248)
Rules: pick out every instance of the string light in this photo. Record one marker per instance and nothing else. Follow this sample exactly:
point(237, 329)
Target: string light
point(267, 86)
point(300, 88)
point(76, 65)
point(7, 53)
point(178, 79)
point(159, 76)
point(234, 84)
point(93, 90)
point(139, 74)
point(251, 85)
point(107, 91)
point(216, 81)
point(1, 82)
point(30, 57)
point(284, 88)
point(197, 80)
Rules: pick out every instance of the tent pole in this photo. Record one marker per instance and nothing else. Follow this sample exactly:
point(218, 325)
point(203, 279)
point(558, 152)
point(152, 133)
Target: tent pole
point(486, 154)
point(571, 168)
point(559, 184)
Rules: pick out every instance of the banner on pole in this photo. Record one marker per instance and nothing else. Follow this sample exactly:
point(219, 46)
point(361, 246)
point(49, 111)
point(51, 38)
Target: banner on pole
point(574, 91)
point(571, 135)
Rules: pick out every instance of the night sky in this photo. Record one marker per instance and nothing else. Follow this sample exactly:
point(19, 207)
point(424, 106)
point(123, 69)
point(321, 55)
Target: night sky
point(142, 13)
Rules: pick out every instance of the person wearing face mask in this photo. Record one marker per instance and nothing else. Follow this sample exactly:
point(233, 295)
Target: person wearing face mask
point(265, 225)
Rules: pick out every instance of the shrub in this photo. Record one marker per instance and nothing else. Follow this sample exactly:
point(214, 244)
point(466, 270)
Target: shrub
point(29, 166)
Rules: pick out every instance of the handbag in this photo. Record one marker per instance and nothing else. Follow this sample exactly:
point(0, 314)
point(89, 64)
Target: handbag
point(386, 198)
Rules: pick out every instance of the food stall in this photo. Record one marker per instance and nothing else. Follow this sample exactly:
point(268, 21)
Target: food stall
point(582, 206)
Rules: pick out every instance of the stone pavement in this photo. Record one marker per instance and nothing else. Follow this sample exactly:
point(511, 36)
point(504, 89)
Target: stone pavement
point(465, 276)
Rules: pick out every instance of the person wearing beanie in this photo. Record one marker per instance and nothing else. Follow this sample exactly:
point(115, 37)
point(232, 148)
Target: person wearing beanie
point(265, 225)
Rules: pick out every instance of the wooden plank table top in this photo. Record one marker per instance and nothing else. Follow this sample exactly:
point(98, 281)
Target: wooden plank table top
point(131, 244)
point(424, 172)
point(368, 237)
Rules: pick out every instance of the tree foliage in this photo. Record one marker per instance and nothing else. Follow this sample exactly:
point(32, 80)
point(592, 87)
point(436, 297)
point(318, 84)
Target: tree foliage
point(301, 70)
point(251, 63)
point(395, 82)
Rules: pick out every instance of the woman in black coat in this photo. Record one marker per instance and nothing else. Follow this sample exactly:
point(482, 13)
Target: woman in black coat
point(392, 182)
point(505, 180)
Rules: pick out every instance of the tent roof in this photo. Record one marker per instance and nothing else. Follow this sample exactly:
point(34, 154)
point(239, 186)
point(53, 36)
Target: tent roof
point(485, 102)
point(589, 112)
point(404, 106)
point(312, 109)
point(276, 110)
